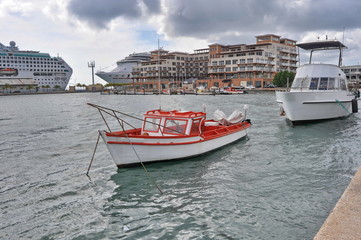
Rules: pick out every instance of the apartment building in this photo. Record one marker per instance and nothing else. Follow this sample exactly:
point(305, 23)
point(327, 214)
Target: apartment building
point(251, 65)
point(353, 74)
point(171, 69)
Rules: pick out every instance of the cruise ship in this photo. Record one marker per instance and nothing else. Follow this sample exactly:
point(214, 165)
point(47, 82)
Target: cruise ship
point(123, 72)
point(40, 68)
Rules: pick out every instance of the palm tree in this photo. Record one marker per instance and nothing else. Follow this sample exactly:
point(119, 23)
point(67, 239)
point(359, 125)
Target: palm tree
point(30, 87)
point(57, 87)
point(6, 86)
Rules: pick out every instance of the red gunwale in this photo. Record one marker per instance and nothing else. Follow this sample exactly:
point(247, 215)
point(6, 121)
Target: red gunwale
point(216, 132)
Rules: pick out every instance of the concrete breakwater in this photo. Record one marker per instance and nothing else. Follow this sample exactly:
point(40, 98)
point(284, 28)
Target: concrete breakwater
point(344, 222)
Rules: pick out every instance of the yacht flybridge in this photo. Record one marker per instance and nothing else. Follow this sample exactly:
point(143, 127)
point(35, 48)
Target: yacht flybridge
point(319, 91)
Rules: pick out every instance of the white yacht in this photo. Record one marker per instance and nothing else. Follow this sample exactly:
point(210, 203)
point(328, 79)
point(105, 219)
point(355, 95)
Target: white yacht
point(40, 68)
point(319, 91)
point(123, 72)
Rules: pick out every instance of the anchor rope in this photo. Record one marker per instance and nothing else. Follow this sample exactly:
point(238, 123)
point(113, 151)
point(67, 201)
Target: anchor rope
point(141, 162)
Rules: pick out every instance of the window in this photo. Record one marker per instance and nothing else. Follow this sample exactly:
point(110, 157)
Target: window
point(195, 127)
point(342, 84)
point(314, 83)
point(234, 61)
point(175, 126)
point(331, 84)
point(151, 124)
point(323, 84)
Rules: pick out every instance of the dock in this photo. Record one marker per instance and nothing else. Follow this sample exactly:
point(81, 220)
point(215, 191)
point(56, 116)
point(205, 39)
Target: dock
point(344, 222)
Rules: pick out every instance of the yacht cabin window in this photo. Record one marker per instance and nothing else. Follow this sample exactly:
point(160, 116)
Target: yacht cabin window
point(323, 84)
point(331, 84)
point(342, 84)
point(314, 83)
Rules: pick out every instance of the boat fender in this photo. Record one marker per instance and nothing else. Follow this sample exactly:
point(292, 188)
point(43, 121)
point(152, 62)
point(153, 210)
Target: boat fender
point(354, 106)
point(282, 112)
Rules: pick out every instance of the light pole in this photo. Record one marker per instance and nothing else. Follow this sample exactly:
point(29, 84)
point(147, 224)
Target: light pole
point(91, 64)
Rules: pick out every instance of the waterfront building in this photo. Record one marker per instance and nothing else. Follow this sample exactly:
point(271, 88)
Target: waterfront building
point(171, 69)
point(252, 65)
point(353, 74)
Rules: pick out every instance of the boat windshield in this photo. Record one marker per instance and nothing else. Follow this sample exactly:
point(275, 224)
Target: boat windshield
point(175, 126)
point(322, 83)
point(151, 124)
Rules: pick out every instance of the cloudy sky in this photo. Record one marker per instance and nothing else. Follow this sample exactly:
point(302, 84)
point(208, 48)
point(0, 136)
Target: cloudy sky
point(108, 30)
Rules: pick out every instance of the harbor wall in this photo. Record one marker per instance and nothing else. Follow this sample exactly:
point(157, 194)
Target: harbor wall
point(344, 221)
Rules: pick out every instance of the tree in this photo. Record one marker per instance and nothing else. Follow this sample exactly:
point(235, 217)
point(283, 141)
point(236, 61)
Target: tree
point(30, 87)
point(6, 86)
point(57, 87)
point(47, 87)
point(280, 79)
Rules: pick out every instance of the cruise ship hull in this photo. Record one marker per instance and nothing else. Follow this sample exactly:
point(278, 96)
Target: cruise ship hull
point(32, 69)
point(122, 74)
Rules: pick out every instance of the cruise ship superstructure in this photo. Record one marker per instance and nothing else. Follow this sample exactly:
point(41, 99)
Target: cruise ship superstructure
point(42, 69)
point(123, 72)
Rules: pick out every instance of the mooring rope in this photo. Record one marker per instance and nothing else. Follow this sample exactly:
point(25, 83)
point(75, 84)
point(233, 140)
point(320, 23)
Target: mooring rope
point(141, 162)
point(95, 149)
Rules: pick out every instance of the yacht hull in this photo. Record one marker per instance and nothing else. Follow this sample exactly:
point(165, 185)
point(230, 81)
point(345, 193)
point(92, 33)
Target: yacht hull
point(309, 106)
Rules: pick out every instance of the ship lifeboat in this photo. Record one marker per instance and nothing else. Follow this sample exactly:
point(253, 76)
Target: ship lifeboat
point(8, 71)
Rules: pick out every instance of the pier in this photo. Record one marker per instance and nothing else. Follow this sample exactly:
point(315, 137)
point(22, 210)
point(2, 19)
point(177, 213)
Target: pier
point(344, 221)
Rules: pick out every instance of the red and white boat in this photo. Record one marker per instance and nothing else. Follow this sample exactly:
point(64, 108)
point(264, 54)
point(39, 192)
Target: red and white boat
point(170, 135)
point(233, 90)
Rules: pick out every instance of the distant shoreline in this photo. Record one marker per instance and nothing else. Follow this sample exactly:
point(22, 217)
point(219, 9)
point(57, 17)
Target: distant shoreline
point(138, 93)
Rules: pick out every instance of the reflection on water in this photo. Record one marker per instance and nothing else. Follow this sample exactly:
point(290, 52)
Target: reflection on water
point(281, 183)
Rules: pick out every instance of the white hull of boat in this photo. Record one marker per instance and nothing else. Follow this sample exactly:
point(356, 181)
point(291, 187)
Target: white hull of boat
point(162, 149)
point(308, 106)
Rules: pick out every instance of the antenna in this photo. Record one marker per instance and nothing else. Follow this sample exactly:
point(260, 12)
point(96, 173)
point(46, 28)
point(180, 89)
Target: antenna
point(91, 64)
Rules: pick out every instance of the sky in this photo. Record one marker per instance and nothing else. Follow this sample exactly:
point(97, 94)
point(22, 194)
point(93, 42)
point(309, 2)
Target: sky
point(105, 31)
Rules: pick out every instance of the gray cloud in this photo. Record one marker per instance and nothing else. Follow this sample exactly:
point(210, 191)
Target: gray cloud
point(200, 18)
point(210, 19)
point(98, 13)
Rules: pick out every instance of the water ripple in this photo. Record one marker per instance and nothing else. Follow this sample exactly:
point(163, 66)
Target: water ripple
point(280, 183)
